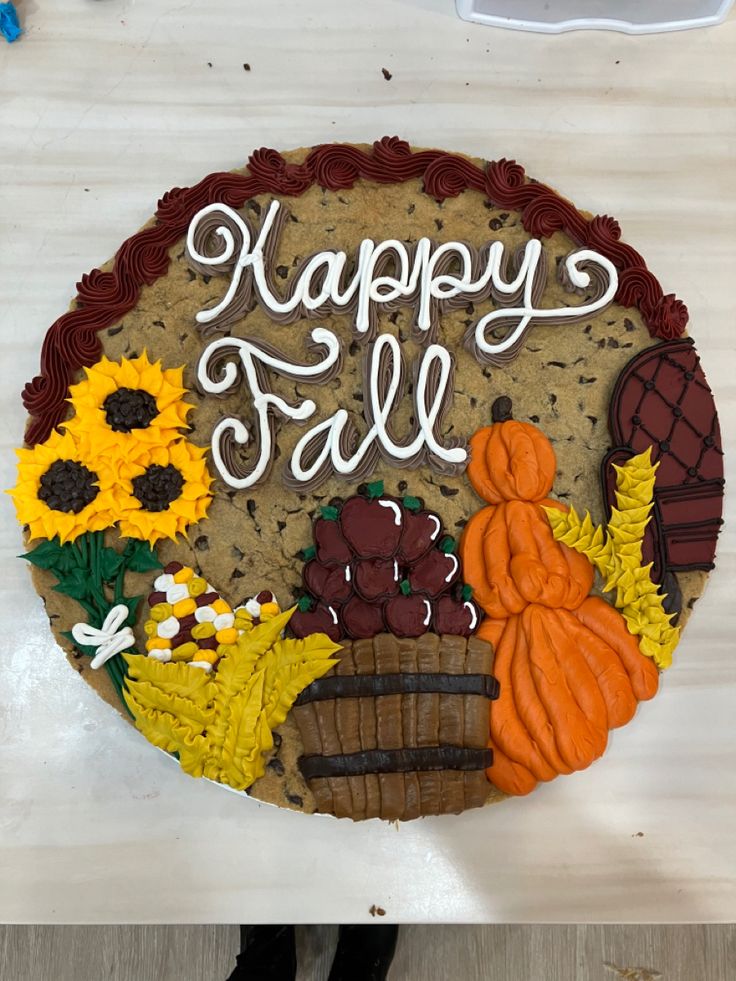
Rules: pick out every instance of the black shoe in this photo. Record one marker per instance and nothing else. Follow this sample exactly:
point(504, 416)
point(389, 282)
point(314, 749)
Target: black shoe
point(364, 953)
point(267, 953)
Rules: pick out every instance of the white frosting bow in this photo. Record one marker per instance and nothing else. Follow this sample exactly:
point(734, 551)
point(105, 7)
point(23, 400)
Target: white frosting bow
point(111, 639)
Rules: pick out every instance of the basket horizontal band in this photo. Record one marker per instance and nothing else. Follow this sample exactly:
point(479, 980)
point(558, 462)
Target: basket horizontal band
point(415, 683)
point(395, 761)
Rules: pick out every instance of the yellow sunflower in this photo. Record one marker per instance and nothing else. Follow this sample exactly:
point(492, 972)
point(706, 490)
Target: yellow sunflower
point(122, 409)
point(61, 492)
point(168, 489)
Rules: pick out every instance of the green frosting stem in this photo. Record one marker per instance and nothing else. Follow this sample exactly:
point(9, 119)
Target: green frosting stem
point(87, 571)
point(375, 489)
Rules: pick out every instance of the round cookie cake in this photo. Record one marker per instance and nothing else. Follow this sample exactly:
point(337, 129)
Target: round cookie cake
point(372, 481)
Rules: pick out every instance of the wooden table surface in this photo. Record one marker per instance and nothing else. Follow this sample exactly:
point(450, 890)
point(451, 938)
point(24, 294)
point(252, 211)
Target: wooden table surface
point(105, 105)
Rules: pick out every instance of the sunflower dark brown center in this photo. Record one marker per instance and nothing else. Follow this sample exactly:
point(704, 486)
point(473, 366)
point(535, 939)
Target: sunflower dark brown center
point(129, 408)
point(158, 487)
point(68, 486)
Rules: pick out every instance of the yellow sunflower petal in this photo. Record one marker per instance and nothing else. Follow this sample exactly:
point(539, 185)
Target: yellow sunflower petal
point(88, 396)
point(44, 521)
point(187, 509)
point(151, 378)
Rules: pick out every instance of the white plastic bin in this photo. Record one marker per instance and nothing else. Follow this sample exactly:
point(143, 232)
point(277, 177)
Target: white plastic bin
point(630, 16)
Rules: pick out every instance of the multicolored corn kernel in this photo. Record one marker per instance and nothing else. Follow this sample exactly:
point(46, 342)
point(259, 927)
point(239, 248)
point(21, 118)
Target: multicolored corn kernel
point(189, 619)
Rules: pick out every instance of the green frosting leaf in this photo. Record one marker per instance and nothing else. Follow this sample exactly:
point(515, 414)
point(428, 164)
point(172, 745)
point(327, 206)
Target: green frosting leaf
point(448, 545)
point(132, 603)
point(467, 592)
point(375, 489)
point(412, 503)
point(309, 553)
point(53, 556)
point(330, 513)
point(110, 563)
point(304, 605)
point(405, 587)
point(89, 650)
point(74, 583)
point(140, 557)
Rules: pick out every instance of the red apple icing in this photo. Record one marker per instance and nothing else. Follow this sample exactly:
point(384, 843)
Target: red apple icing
point(372, 526)
point(383, 563)
point(321, 619)
point(409, 616)
point(329, 542)
point(435, 573)
point(331, 584)
point(377, 578)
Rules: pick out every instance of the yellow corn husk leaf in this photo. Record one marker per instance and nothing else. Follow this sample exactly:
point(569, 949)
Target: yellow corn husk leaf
point(170, 707)
point(191, 713)
point(166, 731)
point(243, 740)
point(626, 502)
point(296, 664)
point(558, 519)
point(617, 555)
point(661, 653)
point(239, 659)
point(178, 677)
point(283, 672)
point(626, 595)
point(221, 724)
point(623, 518)
point(580, 534)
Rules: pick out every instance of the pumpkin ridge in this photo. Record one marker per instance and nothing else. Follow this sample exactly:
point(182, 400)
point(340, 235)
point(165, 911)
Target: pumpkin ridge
point(532, 710)
point(497, 557)
point(604, 620)
point(509, 776)
point(576, 740)
point(609, 671)
point(579, 678)
point(507, 729)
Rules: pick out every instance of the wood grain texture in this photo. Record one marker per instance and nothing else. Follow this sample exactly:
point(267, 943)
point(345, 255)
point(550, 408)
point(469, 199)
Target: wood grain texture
point(491, 953)
point(104, 106)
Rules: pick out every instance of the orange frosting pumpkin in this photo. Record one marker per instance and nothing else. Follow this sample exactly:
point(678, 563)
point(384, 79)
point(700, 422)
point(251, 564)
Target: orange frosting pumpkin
point(511, 461)
point(567, 666)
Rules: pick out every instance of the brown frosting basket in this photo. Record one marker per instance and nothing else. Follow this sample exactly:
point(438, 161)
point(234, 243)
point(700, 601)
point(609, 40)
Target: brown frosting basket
point(399, 728)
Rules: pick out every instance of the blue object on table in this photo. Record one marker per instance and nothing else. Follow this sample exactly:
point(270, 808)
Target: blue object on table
point(9, 26)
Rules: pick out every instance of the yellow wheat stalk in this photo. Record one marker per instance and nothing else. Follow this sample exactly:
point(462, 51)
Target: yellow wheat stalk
point(616, 552)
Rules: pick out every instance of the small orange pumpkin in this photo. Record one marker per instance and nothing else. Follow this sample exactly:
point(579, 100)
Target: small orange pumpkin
point(510, 461)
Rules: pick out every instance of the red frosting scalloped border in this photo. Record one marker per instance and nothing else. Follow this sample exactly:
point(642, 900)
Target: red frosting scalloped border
point(104, 297)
